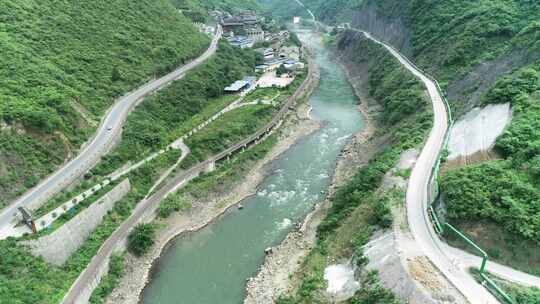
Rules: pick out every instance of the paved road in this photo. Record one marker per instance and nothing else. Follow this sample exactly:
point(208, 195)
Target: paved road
point(108, 131)
point(468, 260)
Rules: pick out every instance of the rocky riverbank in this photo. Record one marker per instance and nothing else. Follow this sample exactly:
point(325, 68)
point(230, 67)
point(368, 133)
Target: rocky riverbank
point(274, 278)
point(138, 270)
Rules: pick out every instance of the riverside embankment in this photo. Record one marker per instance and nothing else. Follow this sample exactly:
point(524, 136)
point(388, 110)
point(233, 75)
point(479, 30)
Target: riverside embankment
point(224, 254)
point(273, 278)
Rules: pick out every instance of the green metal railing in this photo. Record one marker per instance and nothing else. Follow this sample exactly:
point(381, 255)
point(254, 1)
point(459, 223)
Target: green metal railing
point(482, 271)
point(440, 226)
point(435, 176)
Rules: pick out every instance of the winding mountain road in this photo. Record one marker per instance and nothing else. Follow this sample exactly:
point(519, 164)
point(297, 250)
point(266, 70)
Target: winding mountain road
point(108, 132)
point(452, 262)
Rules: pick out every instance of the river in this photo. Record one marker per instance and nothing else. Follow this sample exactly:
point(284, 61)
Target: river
point(212, 265)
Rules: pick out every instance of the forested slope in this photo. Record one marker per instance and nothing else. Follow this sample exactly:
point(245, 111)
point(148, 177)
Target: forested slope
point(62, 64)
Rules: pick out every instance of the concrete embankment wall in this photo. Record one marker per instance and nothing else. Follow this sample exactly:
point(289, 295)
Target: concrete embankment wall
point(58, 246)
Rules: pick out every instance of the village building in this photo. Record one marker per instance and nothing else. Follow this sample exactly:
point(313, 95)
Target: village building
point(244, 24)
point(275, 63)
point(268, 53)
point(293, 65)
point(255, 32)
point(245, 85)
point(241, 41)
point(262, 68)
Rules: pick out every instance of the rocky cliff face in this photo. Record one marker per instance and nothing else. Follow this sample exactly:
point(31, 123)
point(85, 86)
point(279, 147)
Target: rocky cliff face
point(469, 89)
point(399, 23)
point(389, 26)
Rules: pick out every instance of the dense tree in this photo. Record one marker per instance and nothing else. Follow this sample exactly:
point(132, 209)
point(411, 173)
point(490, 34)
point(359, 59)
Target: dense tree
point(141, 239)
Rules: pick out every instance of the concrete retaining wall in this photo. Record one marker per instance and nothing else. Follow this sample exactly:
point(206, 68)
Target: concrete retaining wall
point(58, 246)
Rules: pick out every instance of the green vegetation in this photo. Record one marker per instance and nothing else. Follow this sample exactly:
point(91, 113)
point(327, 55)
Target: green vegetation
point(27, 279)
point(173, 203)
point(171, 113)
point(228, 174)
point(141, 239)
point(524, 295)
point(198, 10)
point(401, 94)
point(59, 55)
point(520, 294)
point(505, 191)
point(108, 283)
point(328, 11)
point(64, 218)
point(449, 37)
point(25, 159)
point(226, 131)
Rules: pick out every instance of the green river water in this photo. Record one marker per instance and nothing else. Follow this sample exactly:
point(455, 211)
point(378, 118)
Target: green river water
point(211, 266)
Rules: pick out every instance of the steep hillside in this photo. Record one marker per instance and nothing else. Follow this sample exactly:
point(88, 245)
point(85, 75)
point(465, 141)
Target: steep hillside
point(333, 11)
point(62, 65)
point(498, 202)
point(168, 114)
point(466, 44)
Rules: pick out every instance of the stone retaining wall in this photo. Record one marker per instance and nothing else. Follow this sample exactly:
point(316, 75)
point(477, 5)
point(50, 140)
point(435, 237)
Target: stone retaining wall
point(58, 246)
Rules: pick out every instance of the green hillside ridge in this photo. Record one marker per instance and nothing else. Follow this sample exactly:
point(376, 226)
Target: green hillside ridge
point(507, 191)
point(57, 54)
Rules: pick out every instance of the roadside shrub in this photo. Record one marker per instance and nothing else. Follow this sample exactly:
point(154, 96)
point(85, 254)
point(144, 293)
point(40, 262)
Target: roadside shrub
point(173, 203)
point(110, 281)
point(141, 239)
